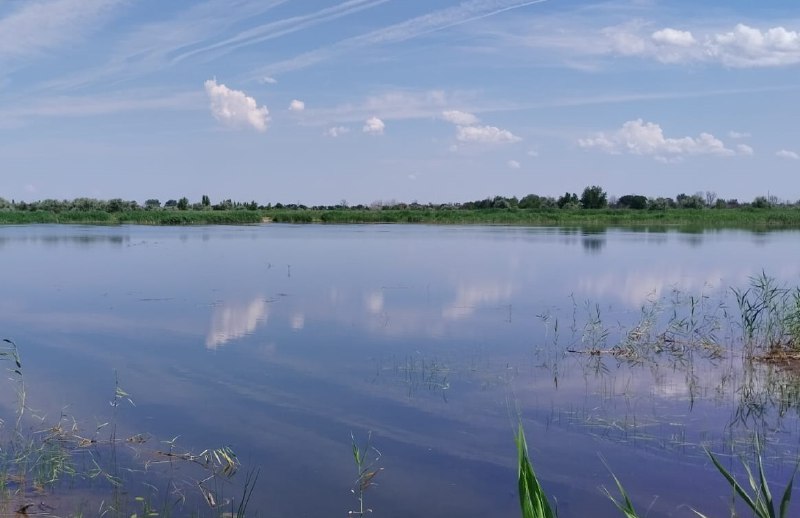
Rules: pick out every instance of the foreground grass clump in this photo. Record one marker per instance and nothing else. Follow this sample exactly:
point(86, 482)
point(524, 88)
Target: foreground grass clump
point(535, 504)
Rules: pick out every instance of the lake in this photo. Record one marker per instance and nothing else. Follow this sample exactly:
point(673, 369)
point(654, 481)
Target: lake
point(281, 341)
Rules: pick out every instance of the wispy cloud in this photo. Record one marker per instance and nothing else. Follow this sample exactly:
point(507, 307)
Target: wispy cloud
point(637, 137)
point(485, 135)
point(234, 108)
point(276, 29)
point(297, 105)
point(336, 131)
point(460, 118)
point(101, 104)
point(785, 153)
point(38, 26)
point(419, 26)
point(151, 47)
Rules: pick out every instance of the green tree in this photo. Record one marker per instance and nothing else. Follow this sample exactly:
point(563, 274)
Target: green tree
point(594, 197)
point(567, 201)
point(632, 201)
point(183, 203)
point(205, 201)
point(152, 203)
point(531, 201)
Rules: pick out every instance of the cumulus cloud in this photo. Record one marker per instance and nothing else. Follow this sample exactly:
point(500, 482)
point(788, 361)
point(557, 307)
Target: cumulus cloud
point(337, 131)
point(460, 118)
point(637, 137)
point(746, 46)
point(485, 134)
point(675, 37)
point(744, 149)
point(234, 108)
point(742, 47)
point(297, 106)
point(373, 126)
point(513, 164)
point(785, 153)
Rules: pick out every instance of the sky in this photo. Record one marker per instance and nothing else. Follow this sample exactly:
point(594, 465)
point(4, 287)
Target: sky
point(324, 101)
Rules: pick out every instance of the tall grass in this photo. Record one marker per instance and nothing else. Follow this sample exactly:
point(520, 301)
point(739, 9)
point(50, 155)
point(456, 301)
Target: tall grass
point(532, 498)
point(770, 316)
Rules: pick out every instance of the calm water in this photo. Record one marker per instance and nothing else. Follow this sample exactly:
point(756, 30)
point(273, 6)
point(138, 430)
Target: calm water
point(282, 340)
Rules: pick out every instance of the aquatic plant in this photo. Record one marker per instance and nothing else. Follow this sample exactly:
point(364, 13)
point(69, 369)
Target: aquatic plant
point(770, 317)
point(366, 459)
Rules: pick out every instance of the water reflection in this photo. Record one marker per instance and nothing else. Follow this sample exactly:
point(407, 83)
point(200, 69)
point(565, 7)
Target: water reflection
point(428, 336)
point(469, 297)
point(233, 320)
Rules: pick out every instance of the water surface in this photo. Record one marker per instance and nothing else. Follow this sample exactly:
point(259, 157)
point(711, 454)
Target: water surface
point(281, 341)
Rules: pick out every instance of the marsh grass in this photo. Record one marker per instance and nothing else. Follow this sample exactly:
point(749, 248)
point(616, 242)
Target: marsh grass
point(44, 467)
point(770, 319)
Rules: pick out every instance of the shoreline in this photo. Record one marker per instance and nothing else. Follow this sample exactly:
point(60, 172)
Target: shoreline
point(747, 218)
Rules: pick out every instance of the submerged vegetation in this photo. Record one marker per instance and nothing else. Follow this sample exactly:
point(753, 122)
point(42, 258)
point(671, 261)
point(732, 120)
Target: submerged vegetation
point(593, 208)
point(38, 459)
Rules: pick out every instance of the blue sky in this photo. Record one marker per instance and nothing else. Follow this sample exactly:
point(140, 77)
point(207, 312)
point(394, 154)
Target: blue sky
point(318, 101)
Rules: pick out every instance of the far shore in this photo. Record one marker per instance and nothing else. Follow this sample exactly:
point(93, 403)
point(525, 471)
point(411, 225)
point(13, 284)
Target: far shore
point(775, 218)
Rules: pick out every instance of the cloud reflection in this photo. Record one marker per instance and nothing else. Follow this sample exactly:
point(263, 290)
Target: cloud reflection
point(470, 296)
point(232, 321)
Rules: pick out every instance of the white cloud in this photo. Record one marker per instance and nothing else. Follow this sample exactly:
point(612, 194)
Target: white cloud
point(750, 47)
point(234, 108)
point(785, 153)
point(460, 118)
point(485, 134)
point(637, 137)
point(373, 126)
point(533, 152)
point(297, 106)
point(738, 134)
point(267, 80)
point(741, 47)
point(513, 164)
point(744, 149)
point(675, 37)
point(337, 131)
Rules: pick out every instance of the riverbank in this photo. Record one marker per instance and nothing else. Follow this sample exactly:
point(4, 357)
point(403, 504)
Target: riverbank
point(749, 218)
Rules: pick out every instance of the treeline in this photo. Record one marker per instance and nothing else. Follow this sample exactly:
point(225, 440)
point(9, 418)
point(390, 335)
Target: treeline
point(592, 197)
